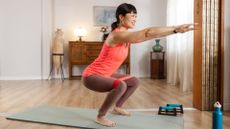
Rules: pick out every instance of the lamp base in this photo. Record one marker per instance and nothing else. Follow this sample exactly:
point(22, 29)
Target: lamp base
point(80, 38)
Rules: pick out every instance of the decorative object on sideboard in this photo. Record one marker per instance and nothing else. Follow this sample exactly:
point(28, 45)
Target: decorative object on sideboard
point(105, 31)
point(157, 47)
point(80, 32)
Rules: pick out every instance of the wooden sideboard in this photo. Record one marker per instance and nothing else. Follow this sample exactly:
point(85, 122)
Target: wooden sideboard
point(84, 53)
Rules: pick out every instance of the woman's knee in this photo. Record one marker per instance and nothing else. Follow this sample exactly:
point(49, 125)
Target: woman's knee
point(122, 86)
point(133, 82)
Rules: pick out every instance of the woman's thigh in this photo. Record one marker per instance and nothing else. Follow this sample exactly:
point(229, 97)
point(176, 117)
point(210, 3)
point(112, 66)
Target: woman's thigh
point(98, 83)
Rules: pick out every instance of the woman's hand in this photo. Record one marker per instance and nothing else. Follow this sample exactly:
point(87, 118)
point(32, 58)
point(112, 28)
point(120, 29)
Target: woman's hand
point(185, 28)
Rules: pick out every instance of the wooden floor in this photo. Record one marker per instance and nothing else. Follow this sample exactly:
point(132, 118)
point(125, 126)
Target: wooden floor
point(18, 95)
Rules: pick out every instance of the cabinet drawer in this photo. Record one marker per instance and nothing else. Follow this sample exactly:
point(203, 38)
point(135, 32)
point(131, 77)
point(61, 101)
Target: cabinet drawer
point(93, 53)
point(77, 53)
point(91, 59)
point(94, 46)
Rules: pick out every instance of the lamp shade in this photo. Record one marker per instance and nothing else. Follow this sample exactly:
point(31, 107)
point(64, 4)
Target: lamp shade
point(80, 32)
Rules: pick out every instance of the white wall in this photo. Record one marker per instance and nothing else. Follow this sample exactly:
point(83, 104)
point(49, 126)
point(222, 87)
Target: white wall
point(69, 14)
point(47, 34)
point(20, 39)
point(227, 56)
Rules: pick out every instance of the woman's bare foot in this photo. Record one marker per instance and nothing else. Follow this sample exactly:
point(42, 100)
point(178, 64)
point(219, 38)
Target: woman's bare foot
point(120, 111)
point(106, 122)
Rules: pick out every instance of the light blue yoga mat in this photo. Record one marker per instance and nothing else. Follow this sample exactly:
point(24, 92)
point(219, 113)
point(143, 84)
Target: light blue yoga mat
point(84, 118)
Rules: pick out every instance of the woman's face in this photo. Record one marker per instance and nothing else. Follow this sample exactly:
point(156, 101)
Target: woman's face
point(129, 20)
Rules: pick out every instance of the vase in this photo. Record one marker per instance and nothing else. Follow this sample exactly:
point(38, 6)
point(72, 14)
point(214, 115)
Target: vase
point(157, 47)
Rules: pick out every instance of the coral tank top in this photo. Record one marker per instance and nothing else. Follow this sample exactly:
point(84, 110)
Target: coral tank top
point(108, 61)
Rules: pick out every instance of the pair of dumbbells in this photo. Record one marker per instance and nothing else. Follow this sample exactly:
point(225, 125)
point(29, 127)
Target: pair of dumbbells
point(171, 109)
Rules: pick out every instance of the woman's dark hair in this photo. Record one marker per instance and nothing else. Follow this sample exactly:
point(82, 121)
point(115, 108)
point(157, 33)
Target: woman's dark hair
point(123, 9)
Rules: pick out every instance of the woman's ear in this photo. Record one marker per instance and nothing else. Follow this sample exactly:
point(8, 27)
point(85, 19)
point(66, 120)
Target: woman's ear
point(121, 19)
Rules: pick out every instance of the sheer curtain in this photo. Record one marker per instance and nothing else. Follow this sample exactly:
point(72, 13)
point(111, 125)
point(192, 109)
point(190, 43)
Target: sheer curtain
point(180, 46)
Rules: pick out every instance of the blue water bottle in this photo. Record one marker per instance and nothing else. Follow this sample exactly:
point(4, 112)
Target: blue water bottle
point(217, 117)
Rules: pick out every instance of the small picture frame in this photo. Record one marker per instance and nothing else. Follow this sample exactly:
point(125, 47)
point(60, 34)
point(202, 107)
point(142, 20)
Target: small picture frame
point(104, 15)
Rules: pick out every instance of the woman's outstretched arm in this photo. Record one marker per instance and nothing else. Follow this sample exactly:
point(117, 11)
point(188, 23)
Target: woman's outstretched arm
point(147, 34)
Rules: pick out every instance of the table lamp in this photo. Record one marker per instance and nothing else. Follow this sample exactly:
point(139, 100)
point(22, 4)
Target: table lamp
point(80, 32)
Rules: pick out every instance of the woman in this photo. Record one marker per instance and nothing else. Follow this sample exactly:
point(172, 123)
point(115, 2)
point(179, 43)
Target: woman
point(100, 75)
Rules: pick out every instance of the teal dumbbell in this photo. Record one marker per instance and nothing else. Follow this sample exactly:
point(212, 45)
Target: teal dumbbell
point(167, 110)
point(179, 107)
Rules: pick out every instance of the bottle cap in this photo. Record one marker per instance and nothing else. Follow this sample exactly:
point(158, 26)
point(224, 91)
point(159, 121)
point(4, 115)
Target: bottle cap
point(217, 104)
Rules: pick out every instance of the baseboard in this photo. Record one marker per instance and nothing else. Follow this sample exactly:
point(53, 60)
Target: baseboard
point(44, 77)
point(21, 78)
point(227, 106)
